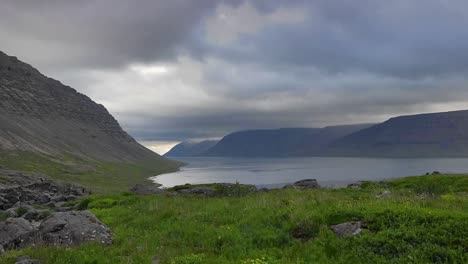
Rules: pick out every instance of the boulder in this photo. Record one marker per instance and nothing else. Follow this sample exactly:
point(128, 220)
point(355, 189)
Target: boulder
point(307, 184)
point(73, 228)
point(27, 260)
point(14, 232)
point(199, 191)
point(356, 185)
point(385, 193)
point(141, 189)
point(347, 229)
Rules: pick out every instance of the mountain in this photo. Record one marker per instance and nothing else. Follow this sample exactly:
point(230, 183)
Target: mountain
point(190, 149)
point(284, 142)
point(44, 119)
point(424, 135)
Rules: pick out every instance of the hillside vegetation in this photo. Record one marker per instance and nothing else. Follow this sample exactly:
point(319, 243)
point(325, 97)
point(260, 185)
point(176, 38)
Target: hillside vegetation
point(98, 176)
point(422, 220)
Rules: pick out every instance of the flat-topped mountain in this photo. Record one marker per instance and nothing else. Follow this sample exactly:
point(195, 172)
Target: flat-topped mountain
point(190, 149)
point(424, 135)
point(39, 114)
point(284, 142)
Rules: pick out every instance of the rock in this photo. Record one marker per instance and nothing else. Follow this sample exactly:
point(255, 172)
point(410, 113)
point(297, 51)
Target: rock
point(27, 260)
point(288, 186)
point(356, 185)
point(198, 190)
point(73, 228)
point(307, 184)
point(436, 173)
point(140, 189)
point(36, 214)
point(347, 229)
point(384, 194)
point(155, 260)
point(43, 199)
point(33, 189)
point(14, 232)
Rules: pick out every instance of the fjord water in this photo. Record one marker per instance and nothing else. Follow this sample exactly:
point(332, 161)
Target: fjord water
point(330, 172)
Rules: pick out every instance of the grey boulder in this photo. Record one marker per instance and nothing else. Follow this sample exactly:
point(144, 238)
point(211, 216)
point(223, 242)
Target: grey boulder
point(347, 229)
point(198, 190)
point(73, 228)
point(307, 184)
point(356, 185)
point(141, 189)
point(14, 232)
point(27, 260)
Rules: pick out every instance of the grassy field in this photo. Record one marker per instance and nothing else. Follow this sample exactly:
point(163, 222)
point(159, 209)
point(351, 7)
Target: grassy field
point(100, 177)
point(423, 220)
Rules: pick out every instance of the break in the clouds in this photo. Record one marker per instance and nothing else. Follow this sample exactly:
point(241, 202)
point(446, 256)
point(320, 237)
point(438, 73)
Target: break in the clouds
point(175, 70)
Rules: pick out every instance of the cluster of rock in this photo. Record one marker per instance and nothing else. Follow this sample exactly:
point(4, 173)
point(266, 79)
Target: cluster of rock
point(36, 213)
point(20, 191)
point(217, 189)
point(304, 184)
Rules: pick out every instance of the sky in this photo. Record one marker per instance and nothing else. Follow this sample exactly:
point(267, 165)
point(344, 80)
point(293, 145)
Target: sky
point(189, 70)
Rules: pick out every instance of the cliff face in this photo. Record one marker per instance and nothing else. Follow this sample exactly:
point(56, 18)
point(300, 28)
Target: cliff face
point(39, 114)
point(424, 135)
point(284, 142)
point(190, 149)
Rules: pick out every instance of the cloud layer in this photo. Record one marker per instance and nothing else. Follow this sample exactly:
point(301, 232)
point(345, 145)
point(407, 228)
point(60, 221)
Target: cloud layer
point(175, 70)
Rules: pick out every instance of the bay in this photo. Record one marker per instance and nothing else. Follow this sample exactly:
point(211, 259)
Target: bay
point(330, 172)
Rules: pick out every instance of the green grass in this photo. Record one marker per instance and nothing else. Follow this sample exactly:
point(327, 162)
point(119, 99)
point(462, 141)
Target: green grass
point(414, 224)
point(100, 177)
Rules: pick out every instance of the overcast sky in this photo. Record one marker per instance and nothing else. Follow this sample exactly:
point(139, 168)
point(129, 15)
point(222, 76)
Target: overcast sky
point(186, 69)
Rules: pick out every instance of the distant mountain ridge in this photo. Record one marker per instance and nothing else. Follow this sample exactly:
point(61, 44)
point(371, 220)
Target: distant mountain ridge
point(429, 135)
point(283, 142)
point(190, 149)
point(425, 135)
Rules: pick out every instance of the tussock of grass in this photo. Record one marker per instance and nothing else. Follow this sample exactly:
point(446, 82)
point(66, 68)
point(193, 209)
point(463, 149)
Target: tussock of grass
point(282, 226)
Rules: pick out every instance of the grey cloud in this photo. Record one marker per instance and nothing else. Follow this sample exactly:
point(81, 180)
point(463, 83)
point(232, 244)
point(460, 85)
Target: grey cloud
point(97, 33)
point(345, 62)
point(409, 39)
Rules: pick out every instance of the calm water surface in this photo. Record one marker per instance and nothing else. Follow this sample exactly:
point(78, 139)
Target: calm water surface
point(330, 172)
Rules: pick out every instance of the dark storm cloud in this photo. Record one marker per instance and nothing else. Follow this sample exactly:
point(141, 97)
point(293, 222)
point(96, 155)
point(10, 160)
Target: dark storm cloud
point(180, 69)
point(400, 38)
point(98, 33)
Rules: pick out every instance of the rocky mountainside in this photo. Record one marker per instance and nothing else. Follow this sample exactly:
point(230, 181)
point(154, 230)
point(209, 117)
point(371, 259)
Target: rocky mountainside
point(425, 135)
point(41, 115)
point(284, 142)
point(190, 149)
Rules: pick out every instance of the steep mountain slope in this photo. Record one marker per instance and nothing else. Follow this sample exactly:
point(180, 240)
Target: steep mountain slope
point(190, 149)
point(282, 142)
point(41, 116)
point(424, 135)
